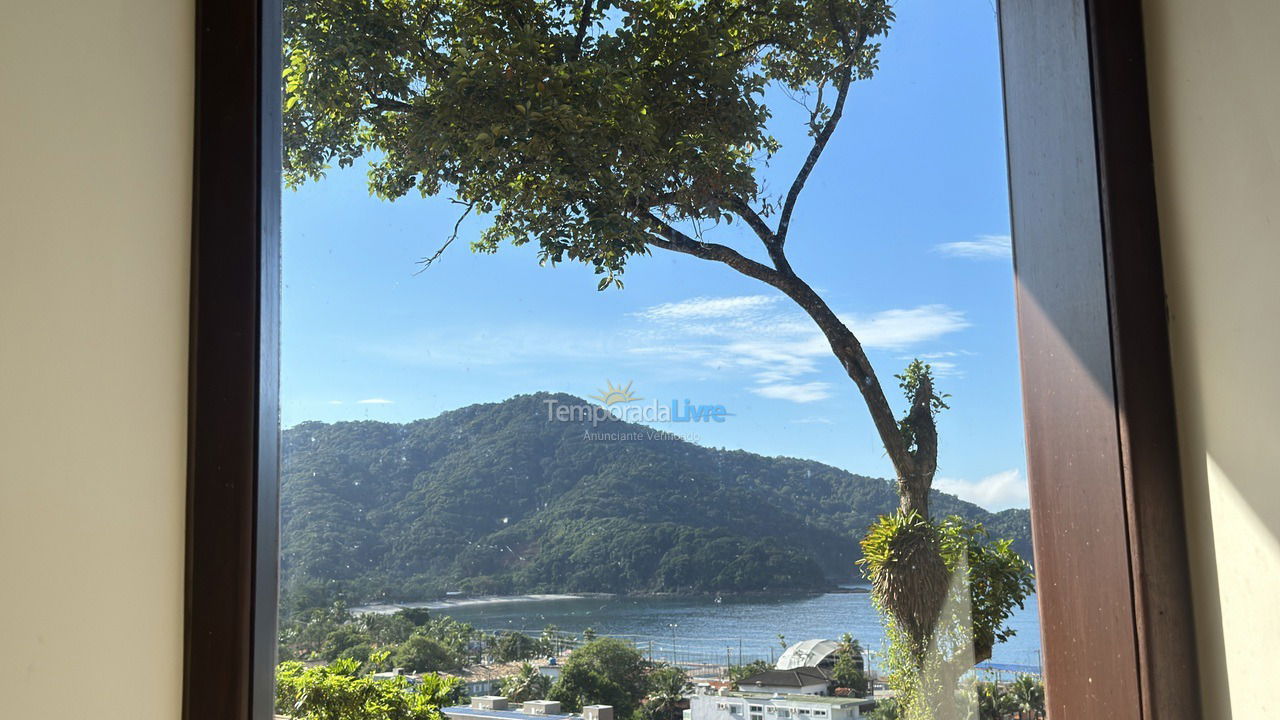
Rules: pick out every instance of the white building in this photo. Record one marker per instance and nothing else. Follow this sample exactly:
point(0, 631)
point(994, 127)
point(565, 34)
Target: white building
point(496, 707)
point(549, 667)
point(775, 706)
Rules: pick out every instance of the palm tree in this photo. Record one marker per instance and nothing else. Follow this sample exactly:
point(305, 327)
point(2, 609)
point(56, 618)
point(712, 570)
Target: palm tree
point(551, 639)
point(527, 684)
point(849, 644)
point(993, 702)
point(1028, 696)
point(667, 688)
point(849, 670)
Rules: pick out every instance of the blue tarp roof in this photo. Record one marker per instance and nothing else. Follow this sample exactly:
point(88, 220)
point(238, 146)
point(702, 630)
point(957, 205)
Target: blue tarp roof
point(1009, 667)
point(464, 711)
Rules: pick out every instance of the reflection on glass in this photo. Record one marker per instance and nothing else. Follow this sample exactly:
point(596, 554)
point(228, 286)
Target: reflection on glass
point(629, 504)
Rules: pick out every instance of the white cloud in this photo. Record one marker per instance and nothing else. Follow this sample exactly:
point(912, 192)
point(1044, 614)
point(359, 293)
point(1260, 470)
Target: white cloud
point(941, 362)
point(777, 347)
point(983, 246)
point(335, 402)
point(944, 369)
point(897, 329)
point(375, 401)
point(814, 420)
point(764, 341)
point(1000, 491)
point(707, 307)
point(800, 393)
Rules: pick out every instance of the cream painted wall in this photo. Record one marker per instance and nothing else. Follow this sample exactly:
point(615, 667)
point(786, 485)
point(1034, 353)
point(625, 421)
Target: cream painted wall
point(95, 168)
point(1215, 95)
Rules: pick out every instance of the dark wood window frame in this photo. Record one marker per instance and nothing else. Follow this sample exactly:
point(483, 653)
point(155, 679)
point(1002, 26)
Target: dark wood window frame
point(1107, 515)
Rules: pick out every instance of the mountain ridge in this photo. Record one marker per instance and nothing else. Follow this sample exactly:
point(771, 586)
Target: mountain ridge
point(497, 498)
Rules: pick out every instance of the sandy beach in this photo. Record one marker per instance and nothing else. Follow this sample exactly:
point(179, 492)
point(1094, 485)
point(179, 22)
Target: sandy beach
point(446, 603)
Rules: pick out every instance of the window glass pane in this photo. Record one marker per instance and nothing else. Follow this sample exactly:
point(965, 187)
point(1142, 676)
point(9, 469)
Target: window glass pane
point(650, 360)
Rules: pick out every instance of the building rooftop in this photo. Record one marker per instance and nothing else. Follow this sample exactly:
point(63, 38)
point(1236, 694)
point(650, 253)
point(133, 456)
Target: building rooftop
point(795, 677)
point(796, 698)
point(475, 673)
point(464, 711)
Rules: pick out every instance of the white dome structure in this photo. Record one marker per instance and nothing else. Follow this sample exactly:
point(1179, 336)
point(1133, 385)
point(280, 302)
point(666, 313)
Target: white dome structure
point(808, 653)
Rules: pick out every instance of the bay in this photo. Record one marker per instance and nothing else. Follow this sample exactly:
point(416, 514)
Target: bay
point(738, 629)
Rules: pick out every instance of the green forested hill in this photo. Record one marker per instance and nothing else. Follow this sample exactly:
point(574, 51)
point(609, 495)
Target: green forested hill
point(497, 499)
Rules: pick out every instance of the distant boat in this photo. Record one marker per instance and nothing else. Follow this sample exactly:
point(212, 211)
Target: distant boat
point(718, 598)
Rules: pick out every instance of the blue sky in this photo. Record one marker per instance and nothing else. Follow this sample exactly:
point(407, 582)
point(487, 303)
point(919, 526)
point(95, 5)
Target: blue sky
point(903, 228)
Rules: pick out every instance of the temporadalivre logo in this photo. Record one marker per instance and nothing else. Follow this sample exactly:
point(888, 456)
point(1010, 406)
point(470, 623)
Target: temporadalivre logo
point(620, 402)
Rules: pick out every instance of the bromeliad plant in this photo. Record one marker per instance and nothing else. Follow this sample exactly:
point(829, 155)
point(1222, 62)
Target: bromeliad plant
point(902, 555)
point(934, 642)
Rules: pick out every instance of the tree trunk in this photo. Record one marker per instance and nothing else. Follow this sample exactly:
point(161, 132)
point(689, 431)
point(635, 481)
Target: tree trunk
point(845, 346)
point(912, 444)
point(913, 466)
point(913, 494)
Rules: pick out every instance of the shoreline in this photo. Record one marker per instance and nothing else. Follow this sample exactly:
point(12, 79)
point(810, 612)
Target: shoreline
point(444, 604)
point(478, 600)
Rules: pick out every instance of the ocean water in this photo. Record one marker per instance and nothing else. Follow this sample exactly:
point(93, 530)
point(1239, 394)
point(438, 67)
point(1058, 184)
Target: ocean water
point(701, 630)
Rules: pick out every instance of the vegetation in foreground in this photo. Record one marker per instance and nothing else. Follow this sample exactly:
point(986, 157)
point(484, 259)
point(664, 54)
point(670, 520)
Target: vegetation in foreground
point(413, 639)
point(1023, 699)
point(338, 692)
point(605, 671)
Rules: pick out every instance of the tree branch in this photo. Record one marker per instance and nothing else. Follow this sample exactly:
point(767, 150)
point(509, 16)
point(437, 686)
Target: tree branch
point(771, 241)
point(584, 23)
point(752, 47)
point(669, 238)
point(848, 350)
point(844, 80)
point(923, 430)
point(752, 219)
point(844, 344)
point(819, 144)
point(427, 261)
point(382, 104)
